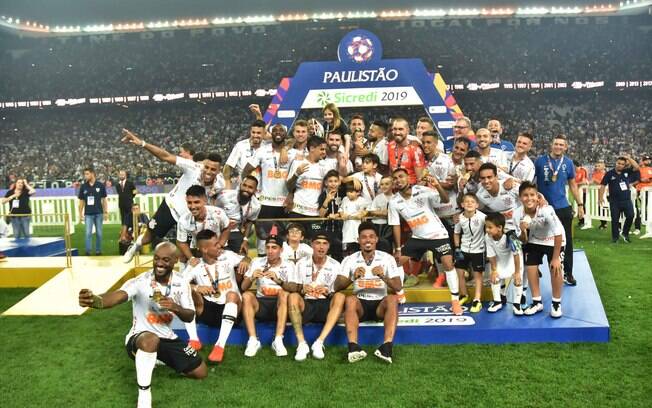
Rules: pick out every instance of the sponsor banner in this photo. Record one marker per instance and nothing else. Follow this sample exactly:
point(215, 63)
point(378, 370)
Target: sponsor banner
point(362, 97)
point(428, 314)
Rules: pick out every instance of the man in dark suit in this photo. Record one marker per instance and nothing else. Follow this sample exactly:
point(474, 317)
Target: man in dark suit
point(126, 191)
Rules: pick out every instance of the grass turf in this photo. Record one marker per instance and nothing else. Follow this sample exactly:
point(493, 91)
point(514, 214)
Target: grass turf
point(81, 362)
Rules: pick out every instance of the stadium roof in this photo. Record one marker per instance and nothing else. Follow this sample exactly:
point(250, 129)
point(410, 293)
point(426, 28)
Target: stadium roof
point(102, 11)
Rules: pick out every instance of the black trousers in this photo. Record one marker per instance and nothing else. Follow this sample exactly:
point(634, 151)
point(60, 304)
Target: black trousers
point(617, 208)
point(566, 217)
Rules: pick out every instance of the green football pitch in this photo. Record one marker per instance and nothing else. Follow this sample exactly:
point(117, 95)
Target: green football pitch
point(81, 362)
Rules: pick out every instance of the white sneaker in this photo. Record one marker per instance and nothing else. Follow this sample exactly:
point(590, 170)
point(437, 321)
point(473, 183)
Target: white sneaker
point(494, 307)
point(302, 351)
point(533, 309)
point(318, 350)
point(555, 312)
point(253, 345)
point(131, 252)
point(355, 356)
point(636, 232)
point(516, 308)
point(279, 347)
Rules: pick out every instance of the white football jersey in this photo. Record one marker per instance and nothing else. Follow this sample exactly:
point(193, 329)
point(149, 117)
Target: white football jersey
point(370, 184)
point(294, 256)
point(307, 273)
point(505, 202)
point(330, 163)
point(381, 202)
point(418, 213)
point(522, 170)
point(504, 252)
point(219, 275)
point(471, 232)
point(273, 175)
point(228, 201)
point(441, 167)
point(350, 227)
point(496, 156)
point(176, 198)
point(380, 150)
point(216, 221)
point(544, 226)
point(308, 187)
point(369, 287)
point(148, 315)
point(266, 287)
point(241, 154)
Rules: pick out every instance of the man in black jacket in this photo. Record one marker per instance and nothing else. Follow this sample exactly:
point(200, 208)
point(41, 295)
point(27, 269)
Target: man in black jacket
point(126, 191)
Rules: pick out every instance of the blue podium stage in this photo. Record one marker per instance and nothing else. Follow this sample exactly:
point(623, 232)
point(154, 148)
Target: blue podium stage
point(32, 247)
point(584, 320)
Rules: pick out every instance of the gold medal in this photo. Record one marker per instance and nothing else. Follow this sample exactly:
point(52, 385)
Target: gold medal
point(277, 174)
point(554, 178)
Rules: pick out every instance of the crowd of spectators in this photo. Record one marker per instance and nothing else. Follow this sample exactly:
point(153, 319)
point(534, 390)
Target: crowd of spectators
point(57, 144)
point(48, 68)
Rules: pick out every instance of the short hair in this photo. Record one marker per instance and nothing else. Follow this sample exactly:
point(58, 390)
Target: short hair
point(214, 157)
point(526, 135)
point(489, 166)
point(331, 173)
point(620, 158)
point(187, 146)
point(465, 119)
point(199, 157)
point(350, 186)
point(296, 225)
point(357, 116)
point(496, 219)
point(399, 169)
point(560, 136)
point(89, 169)
point(250, 177)
point(426, 119)
point(430, 133)
point(381, 124)
point(401, 119)
point(300, 122)
point(464, 140)
point(525, 186)
point(473, 154)
point(196, 191)
point(205, 235)
point(315, 141)
point(372, 157)
point(366, 225)
point(258, 123)
point(471, 195)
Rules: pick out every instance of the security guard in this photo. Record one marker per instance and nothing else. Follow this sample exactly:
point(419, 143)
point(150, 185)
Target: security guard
point(619, 179)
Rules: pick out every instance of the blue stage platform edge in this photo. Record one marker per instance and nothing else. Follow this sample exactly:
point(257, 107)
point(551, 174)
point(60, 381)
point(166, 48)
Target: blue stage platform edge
point(34, 247)
point(583, 320)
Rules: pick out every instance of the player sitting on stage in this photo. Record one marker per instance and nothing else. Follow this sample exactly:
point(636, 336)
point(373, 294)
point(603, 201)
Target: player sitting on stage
point(506, 260)
point(270, 301)
point(154, 295)
point(470, 248)
point(543, 233)
point(215, 291)
point(316, 302)
point(371, 272)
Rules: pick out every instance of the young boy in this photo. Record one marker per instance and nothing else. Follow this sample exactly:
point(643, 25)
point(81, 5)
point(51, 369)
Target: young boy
point(294, 249)
point(352, 209)
point(505, 258)
point(367, 180)
point(378, 210)
point(470, 247)
point(543, 233)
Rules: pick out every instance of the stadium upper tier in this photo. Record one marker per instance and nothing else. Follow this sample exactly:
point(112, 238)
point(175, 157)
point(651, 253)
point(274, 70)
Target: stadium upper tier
point(257, 57)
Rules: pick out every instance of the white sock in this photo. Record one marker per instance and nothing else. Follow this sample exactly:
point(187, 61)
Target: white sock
point(191, 328)
point(228, 319)
point(495, 291)
point(518, 291)
point(279, 338)
point(401, 272)
point(145, 363)
point(453, 284)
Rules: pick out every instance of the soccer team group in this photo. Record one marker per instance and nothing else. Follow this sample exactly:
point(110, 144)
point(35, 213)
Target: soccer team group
point(335, 205)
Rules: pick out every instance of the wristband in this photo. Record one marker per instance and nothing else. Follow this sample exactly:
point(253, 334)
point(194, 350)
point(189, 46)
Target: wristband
point(142, 143)
point(580, 205)
point(98, 302)
point(245, 239)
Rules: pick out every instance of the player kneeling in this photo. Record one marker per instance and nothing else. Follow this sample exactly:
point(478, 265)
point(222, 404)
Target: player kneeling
point(371, 272)
point(316, 302)
point(214, 290)
point(543, 233)
point(270, 301)
point(154, 295)
point(506, 260)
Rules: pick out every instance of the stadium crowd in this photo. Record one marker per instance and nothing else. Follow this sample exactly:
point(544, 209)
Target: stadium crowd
point(56, 144)
point(185, 62)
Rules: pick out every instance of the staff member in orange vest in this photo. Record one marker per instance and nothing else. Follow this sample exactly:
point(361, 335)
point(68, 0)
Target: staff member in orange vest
point(581, 179)
point(645, 180)
point(596, 179)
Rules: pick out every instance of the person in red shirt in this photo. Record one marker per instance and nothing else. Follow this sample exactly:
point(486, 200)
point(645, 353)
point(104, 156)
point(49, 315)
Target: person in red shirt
point(402, 153)
point(596, 180)
point(645, 180)
point(581, 179)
